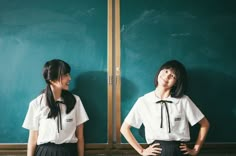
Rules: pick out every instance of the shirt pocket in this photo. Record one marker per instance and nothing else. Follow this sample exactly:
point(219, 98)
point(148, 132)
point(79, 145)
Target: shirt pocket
point(178, 123)
point(69, 123)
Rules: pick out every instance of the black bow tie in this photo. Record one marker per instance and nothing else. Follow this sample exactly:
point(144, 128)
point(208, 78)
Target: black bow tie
point(164, 102)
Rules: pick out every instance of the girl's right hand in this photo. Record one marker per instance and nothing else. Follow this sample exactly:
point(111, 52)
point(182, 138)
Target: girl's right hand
point(153, 149)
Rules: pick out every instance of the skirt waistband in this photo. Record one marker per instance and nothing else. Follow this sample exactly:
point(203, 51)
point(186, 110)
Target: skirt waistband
point(62, 145)
point(50, 149)
point(163, 142)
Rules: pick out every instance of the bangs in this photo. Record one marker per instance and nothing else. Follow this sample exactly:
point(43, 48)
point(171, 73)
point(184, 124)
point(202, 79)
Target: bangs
point(63, 69)
point(173, 68)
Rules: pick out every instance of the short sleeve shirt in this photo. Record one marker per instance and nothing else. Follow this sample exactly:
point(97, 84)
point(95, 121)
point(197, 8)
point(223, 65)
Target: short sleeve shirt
point(182, 111)
point(36, 119)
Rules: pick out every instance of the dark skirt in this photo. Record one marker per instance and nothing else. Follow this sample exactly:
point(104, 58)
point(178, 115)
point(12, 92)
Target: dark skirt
point(51, 149)
point(169, 148)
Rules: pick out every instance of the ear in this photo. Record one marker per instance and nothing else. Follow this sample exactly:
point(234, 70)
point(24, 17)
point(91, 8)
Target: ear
point(51, 82)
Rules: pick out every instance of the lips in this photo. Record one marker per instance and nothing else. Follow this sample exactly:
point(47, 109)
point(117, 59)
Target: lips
point(165, 81)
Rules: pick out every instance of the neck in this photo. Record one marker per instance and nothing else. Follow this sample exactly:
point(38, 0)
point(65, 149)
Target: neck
point(162, 92)
point(56, 92)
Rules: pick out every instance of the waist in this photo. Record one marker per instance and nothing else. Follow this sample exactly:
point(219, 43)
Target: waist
point(169, 148)
point(165, 143)
point(61, 145)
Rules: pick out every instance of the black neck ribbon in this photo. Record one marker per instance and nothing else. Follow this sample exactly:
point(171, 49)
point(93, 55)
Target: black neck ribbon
point(59, 122)
point(164, 104)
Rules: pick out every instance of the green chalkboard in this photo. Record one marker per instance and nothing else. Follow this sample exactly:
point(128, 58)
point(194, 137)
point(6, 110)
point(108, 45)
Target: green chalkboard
point(201, 34)
point(32, 32)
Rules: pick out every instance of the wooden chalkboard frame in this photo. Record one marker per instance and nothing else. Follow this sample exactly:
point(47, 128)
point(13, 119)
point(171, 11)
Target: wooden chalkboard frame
point(109, 87)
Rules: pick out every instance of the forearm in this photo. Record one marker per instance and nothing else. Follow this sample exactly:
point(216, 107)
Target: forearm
point(80, 146)
point(130, 138)
point(202, 134)
point(80, 142)
point(32, 142)
point(31, 149)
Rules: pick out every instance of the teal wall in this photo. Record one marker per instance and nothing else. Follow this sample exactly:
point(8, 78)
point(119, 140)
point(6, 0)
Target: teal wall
point(32, 32)
point(201, 34)
point(198, 33)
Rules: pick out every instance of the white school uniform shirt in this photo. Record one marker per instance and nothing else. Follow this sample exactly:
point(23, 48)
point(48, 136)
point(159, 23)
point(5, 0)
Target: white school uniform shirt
point(36, 119)
point(146, 111)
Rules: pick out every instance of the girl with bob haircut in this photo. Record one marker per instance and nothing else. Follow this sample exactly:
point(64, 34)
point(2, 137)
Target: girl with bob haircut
point(166, 114)
point(55, 117)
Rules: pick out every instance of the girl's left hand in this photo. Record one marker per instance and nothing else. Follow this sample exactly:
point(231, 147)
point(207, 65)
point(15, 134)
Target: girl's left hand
point(184, 148)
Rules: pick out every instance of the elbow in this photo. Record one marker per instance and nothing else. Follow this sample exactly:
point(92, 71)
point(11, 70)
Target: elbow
point(205, 123)
point(124, 128)
point(208, 126)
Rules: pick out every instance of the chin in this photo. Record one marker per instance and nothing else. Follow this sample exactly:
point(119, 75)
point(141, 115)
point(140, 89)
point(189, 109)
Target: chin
point(66, 88)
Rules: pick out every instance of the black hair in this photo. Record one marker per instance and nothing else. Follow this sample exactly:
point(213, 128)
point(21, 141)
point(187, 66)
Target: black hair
point(180, 87)
point(54, 70)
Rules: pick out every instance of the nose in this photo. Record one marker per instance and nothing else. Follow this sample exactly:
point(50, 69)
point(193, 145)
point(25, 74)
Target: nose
point(167, 76)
